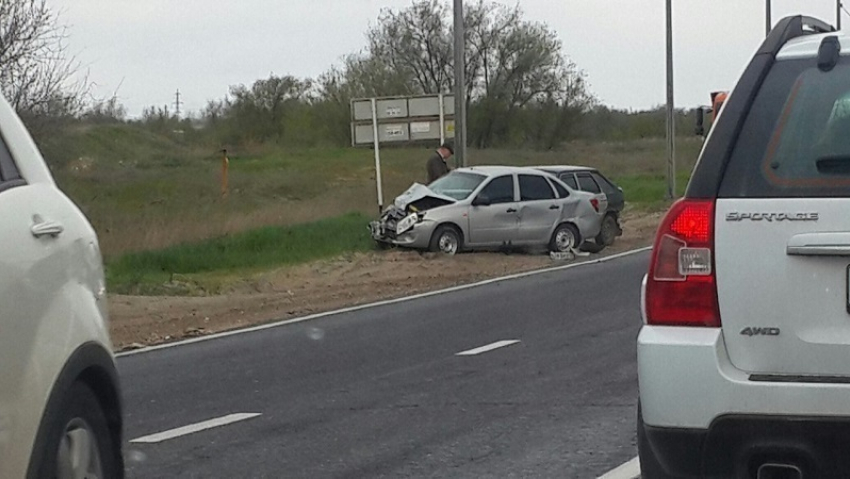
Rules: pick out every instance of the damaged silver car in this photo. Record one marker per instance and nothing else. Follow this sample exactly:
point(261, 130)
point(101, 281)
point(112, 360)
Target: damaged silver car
point(490, 207)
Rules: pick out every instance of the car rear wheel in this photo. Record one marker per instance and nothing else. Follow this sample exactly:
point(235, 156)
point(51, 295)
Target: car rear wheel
point(609, 231)
point(565, 238)
point(447, 239)
point(650, 468)
point(79, 443)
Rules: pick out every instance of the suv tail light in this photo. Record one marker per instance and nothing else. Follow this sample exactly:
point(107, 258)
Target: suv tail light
point(595, 203)
point(681, 289)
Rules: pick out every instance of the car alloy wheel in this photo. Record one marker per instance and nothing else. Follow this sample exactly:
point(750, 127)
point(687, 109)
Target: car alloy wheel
point(449, 242)
point(78, 456)
point(565, 240)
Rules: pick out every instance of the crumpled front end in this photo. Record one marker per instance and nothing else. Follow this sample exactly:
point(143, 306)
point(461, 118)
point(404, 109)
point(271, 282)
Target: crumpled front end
point(404, 223)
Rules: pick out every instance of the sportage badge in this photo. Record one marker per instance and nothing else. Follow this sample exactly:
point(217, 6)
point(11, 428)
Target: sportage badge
point(735, 216)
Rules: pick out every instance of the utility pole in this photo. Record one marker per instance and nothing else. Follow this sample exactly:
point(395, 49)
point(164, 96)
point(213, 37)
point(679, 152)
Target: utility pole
point(838, 7)
point(460, 86)
point(671, 123)
point(768, 18)
point(177, 103)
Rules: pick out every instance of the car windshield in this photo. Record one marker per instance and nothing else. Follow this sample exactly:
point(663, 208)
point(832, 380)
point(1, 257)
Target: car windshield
point(457, 184)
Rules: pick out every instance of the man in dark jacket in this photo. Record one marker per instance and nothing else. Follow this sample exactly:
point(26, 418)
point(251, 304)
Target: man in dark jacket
point(437, 166)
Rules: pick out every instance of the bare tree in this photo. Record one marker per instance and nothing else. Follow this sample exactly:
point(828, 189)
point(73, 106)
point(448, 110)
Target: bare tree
point(36, 72)
point(511, 64)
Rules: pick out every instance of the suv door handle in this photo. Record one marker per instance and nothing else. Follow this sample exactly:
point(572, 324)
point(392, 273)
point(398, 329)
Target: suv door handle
point(47, 228)
point(511, 210)
point(819, 244)
point(554, 207)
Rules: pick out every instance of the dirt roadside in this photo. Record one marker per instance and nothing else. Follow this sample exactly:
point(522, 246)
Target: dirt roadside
point(292, 292)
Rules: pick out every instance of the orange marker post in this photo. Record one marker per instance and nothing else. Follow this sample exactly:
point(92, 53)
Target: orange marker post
point(224, 164)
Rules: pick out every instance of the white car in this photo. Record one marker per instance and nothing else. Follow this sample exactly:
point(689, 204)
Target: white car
point(60, 407)
point(744, 356)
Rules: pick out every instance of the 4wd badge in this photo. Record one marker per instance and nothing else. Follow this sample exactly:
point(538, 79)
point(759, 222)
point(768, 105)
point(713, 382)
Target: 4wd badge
point(760, 332)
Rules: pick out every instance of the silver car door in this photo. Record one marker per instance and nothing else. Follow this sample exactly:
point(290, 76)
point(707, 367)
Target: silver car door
point(539, 209)
point(493, 216)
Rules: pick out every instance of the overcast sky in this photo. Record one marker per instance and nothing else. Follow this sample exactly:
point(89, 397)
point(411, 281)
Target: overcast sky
point(150, 48)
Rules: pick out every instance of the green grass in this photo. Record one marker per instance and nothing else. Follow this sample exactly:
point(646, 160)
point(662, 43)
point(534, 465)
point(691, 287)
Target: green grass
point(648, 191)
point(164, 228)
point(149, 191)
point(264, 248)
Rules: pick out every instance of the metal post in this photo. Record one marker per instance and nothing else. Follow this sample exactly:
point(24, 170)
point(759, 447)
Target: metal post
point(225, 163)
point(460, 85)
point(768, 18)
point(377, 156)
point(671, 124)
point(838, 14)
point(442, 120)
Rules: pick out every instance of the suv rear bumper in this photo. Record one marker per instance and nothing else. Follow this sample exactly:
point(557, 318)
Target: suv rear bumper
point(735, 446)
point(701, 413)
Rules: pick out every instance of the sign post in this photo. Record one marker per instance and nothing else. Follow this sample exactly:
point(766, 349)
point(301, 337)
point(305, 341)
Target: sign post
point(422, 120)
point(377, 156)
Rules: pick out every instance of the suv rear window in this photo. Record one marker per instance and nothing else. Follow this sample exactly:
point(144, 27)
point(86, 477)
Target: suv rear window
point(795, 141)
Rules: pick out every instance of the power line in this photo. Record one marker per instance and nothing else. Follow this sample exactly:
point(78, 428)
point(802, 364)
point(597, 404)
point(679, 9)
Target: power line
point(844, 8)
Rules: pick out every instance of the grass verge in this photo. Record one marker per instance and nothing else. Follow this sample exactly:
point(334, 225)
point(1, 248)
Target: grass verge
point(165, 271)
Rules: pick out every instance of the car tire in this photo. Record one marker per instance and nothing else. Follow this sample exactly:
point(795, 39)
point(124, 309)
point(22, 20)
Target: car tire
point(447, 240)
point(650, 468)
point(565, 238)
point(78, 430)
point(609, 231)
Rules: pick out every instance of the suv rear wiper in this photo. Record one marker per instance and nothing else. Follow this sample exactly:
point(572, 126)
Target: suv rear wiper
point(834, 165)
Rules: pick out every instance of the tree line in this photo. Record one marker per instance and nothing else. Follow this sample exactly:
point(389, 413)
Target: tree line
point(522, 89)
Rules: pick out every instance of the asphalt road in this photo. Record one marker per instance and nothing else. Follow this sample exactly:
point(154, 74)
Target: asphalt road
point(381, 392)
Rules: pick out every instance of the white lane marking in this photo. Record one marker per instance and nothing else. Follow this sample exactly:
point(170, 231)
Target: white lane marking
point(489, 347)
point(629, 470)
point(379, 303)
point(193, 428)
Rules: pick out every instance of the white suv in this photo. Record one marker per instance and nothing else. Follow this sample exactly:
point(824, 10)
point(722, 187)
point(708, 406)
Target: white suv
point(744, 356)
point(60, 413)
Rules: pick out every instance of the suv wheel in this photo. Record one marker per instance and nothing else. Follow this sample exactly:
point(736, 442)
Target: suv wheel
point(79, 443)
point(609, 231)
point(650, 468)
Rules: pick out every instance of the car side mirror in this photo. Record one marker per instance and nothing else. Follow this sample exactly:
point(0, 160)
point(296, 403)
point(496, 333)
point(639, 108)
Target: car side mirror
point(481, 200)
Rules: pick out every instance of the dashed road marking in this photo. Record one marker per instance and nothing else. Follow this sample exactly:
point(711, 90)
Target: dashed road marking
point(193, 428)
point(489, 347)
